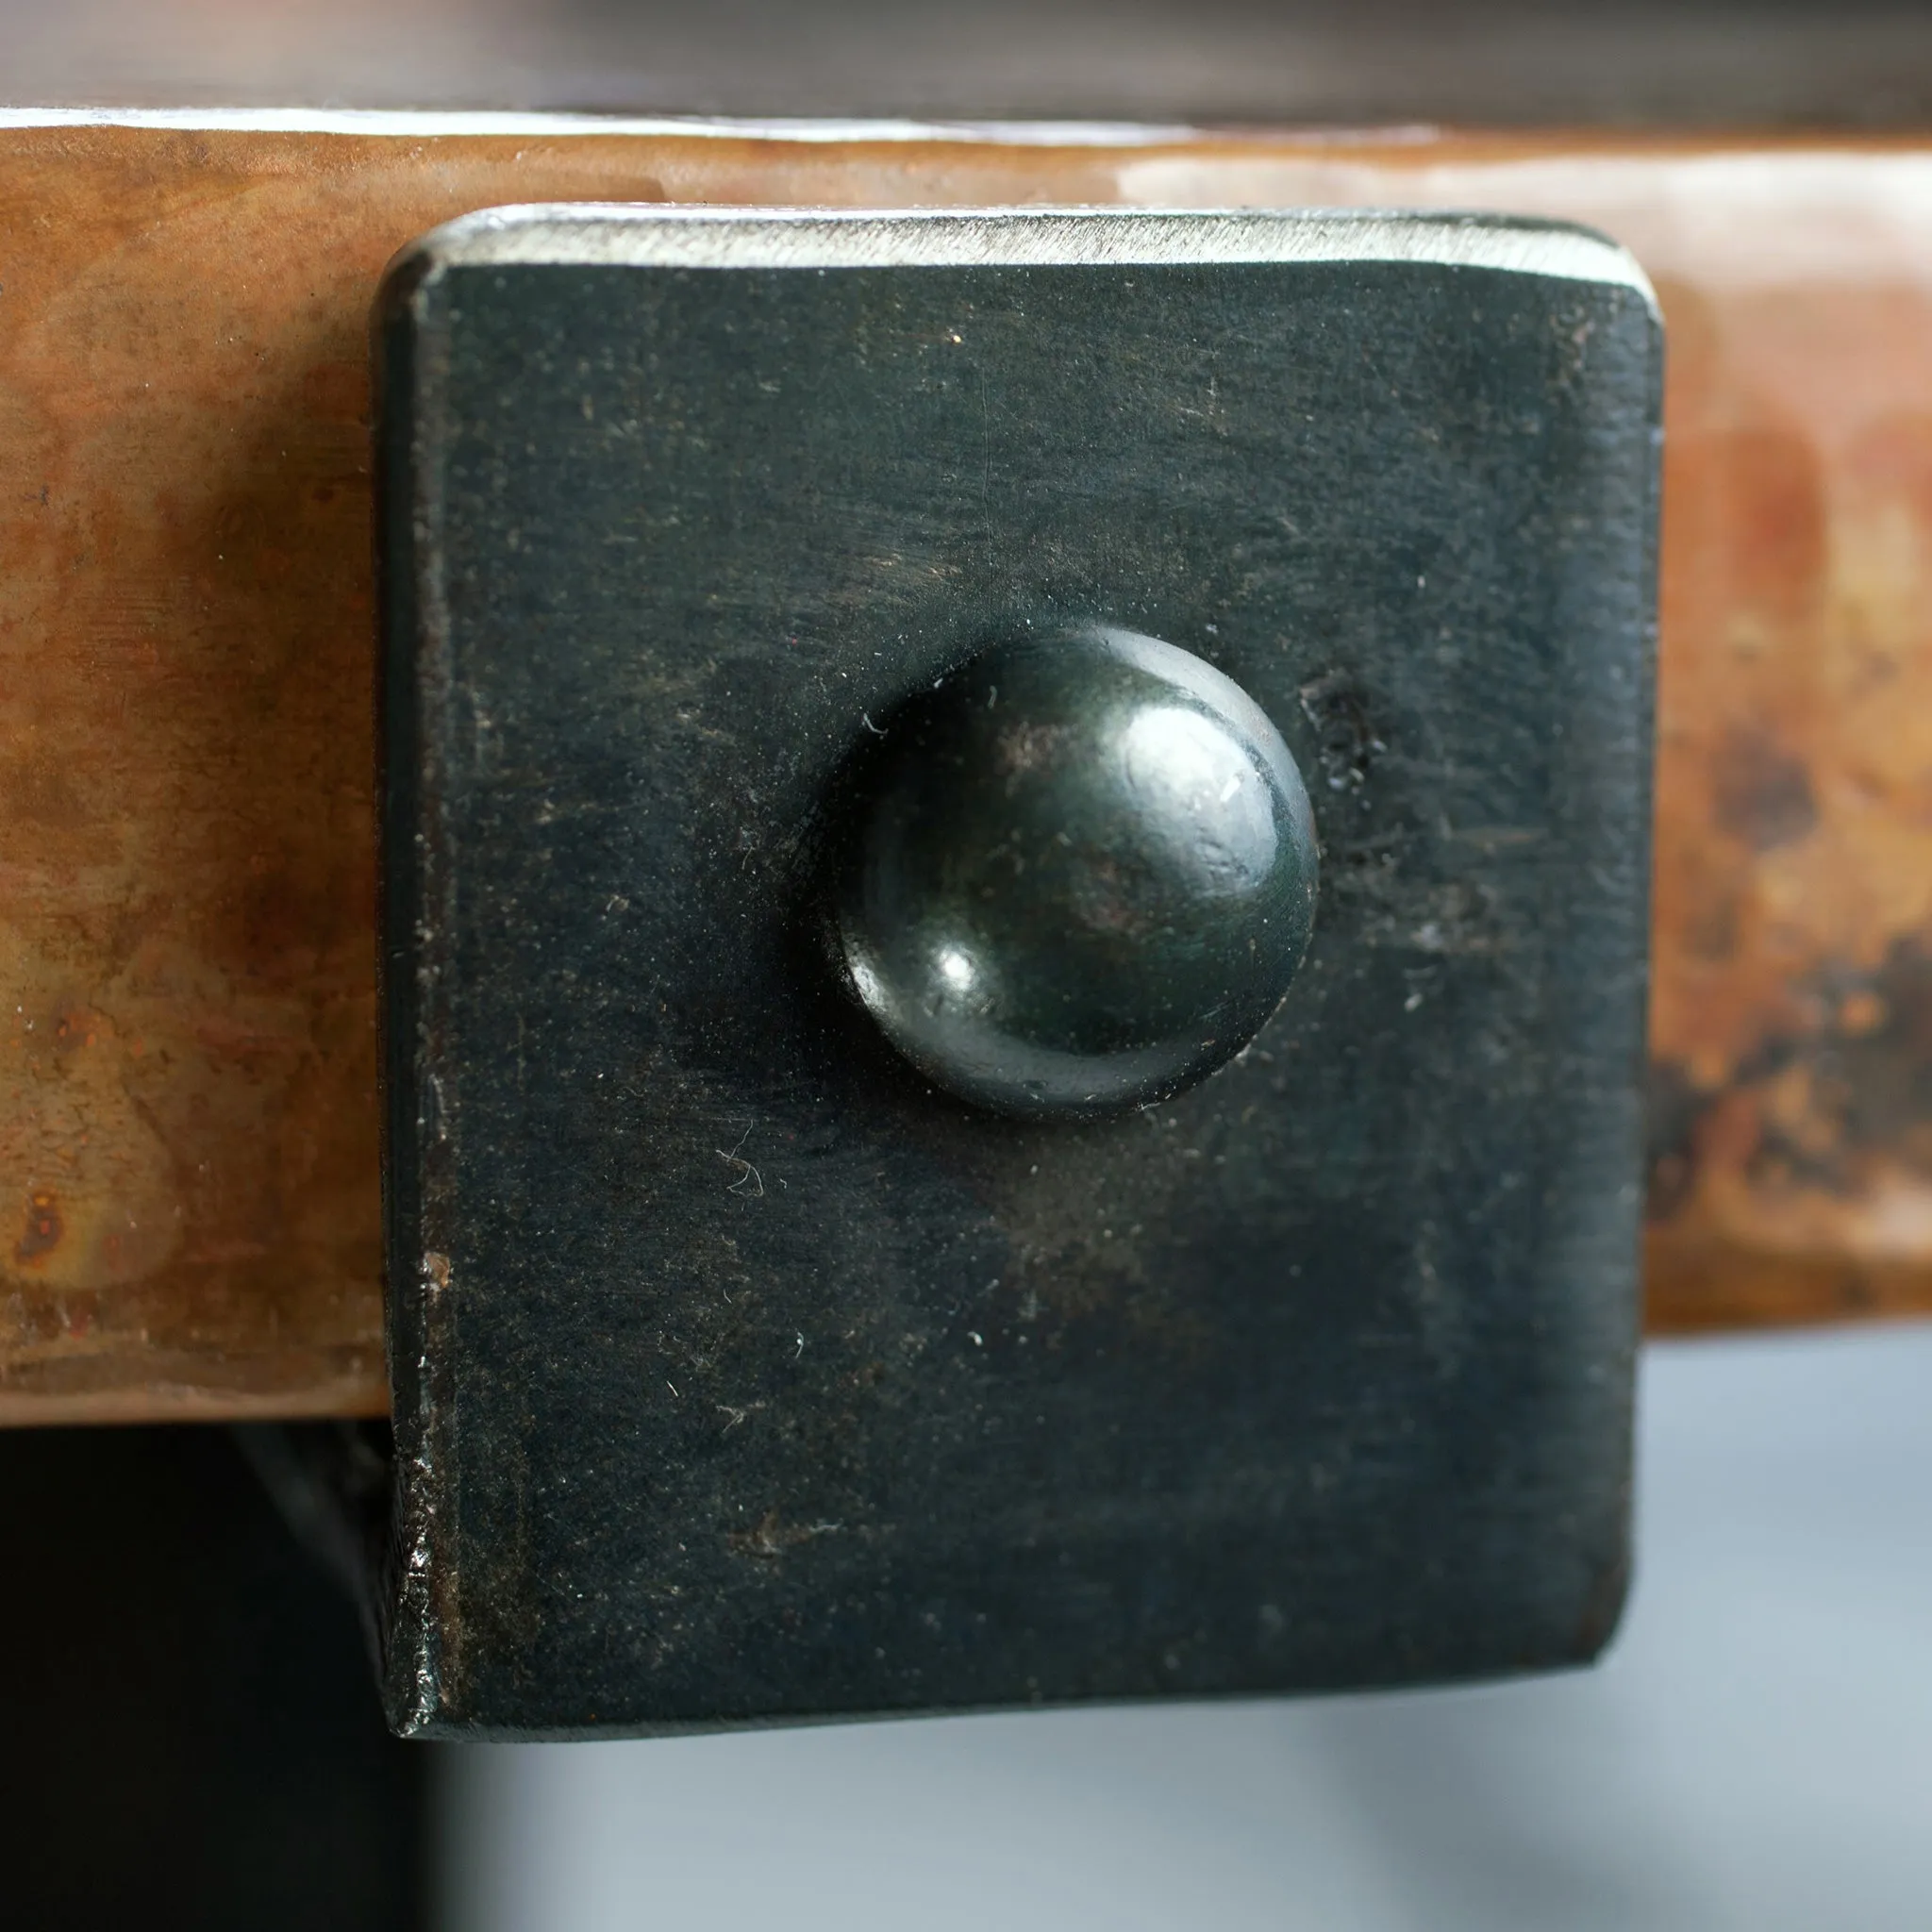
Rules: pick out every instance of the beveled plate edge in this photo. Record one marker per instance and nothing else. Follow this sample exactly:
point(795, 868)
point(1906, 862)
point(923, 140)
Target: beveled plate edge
point(628, 235)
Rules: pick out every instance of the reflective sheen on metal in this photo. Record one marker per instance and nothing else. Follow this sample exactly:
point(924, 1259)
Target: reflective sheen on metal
point(1085, 875)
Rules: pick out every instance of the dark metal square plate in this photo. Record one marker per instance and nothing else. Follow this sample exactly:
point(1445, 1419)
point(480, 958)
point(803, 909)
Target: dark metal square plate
point(738, 1374)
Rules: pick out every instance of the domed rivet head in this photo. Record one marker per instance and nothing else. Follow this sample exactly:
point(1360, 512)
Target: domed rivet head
point(1082, 878)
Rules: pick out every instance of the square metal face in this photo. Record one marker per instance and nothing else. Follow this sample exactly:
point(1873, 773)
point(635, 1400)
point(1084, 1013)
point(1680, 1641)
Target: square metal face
point(741, 1376)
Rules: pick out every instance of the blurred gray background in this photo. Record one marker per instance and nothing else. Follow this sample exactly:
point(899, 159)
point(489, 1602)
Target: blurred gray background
point(1756, 1755)
point(1695, 63)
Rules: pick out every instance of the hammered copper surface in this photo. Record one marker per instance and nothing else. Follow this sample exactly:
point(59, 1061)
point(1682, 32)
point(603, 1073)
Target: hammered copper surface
point(188, 1127)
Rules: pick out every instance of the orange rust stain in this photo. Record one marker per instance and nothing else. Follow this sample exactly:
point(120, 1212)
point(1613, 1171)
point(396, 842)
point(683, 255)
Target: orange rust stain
point(187, 955)
point(43, 1230)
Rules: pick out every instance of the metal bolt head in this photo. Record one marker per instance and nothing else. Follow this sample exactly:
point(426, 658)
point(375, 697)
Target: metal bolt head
point(1083, 876)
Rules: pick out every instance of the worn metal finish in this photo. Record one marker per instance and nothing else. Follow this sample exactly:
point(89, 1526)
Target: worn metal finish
point(741, 1376)
point(1082, 875)
point(188, 1106)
